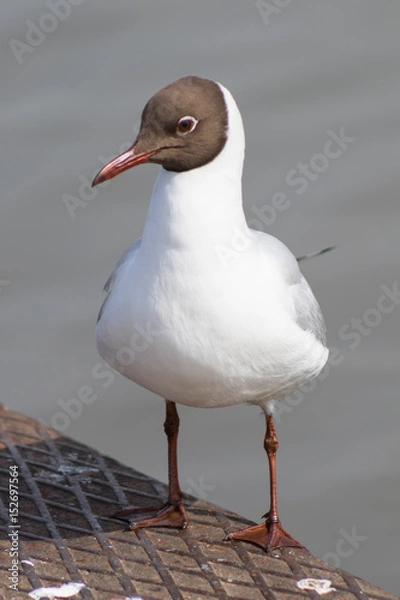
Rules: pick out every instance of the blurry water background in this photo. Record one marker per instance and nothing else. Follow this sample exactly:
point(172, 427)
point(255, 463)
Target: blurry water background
point(72, 95)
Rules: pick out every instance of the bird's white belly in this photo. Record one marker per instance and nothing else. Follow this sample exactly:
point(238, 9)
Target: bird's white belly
point(199, 345)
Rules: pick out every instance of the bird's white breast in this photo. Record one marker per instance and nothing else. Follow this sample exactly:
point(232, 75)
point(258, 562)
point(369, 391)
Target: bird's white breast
point(205, 334)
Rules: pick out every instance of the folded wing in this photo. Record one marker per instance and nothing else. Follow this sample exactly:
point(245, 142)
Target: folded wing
point(108, 286)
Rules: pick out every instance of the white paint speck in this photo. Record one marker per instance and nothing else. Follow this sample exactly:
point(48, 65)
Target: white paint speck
point(321, 586)
point(65, 591)
point(65, 469)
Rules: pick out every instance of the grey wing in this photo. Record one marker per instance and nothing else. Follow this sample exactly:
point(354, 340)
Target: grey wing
point(108, 286)
point(309, 315)
point(307, 312)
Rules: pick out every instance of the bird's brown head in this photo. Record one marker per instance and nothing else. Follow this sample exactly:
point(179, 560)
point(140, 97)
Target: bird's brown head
point(183, 126)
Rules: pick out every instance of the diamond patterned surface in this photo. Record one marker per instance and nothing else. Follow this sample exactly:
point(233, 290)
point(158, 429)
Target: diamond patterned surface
point(67, 491)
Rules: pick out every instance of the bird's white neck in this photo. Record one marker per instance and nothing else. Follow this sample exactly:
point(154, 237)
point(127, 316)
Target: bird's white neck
point(202, 206)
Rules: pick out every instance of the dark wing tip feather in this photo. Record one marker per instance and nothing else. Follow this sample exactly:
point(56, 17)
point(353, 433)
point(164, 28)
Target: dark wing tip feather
point(314, 254)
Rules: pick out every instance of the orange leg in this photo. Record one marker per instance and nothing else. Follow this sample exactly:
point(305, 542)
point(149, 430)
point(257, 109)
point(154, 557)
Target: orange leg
point(172, 513)
point(268, 535)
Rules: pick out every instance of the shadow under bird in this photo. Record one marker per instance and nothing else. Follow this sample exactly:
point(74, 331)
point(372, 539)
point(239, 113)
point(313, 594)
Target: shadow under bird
point(231, 318)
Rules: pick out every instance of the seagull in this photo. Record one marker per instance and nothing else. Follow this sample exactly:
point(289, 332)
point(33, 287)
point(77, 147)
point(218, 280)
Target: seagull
point(202, 310)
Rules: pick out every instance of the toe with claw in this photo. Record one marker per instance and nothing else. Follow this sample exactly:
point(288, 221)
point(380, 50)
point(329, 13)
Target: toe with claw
point(268, 535)
point(163, 515)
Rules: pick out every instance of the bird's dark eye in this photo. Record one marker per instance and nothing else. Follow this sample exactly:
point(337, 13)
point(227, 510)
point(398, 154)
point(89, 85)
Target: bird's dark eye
point(186, 125)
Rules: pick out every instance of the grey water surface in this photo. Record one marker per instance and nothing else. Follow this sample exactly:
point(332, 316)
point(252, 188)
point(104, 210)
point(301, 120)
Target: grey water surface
point(73, 85)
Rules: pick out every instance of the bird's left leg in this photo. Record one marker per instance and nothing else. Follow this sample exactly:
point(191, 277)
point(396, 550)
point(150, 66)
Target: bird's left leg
point(270, 534)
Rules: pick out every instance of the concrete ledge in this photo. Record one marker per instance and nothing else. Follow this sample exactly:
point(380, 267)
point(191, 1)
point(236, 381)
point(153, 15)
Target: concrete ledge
point(63, 534)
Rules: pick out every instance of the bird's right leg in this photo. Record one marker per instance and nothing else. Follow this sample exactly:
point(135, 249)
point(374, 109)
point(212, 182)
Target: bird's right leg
point(172, 513)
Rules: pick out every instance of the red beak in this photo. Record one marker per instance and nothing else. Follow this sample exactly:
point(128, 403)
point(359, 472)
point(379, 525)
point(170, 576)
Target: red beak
point(121, 163)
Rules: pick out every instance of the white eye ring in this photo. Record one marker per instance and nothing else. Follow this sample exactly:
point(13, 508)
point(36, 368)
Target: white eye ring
point(193, 122)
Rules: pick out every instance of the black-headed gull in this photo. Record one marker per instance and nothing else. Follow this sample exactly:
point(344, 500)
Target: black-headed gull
point(203, 310)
